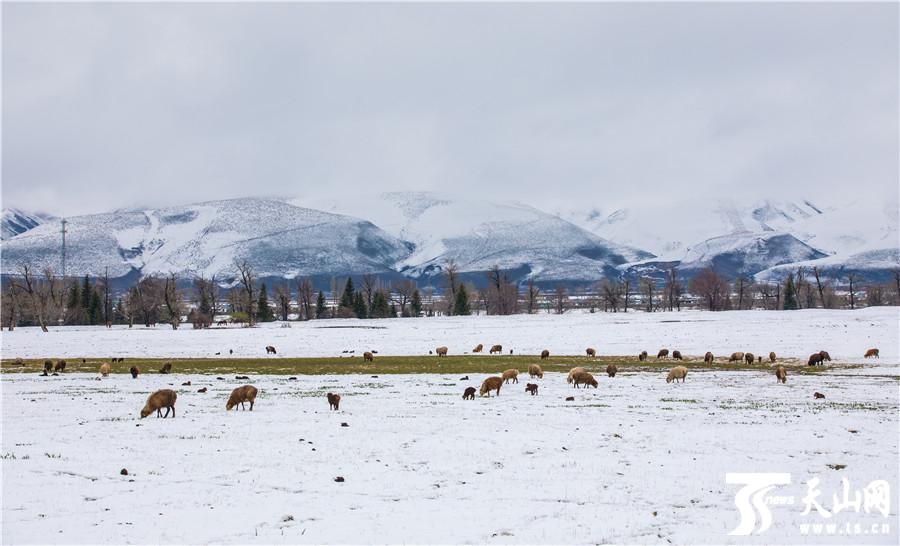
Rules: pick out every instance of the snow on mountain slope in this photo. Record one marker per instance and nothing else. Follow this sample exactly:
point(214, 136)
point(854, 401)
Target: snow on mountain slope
point(16, 221)
point(277, 238)
point(478, 235)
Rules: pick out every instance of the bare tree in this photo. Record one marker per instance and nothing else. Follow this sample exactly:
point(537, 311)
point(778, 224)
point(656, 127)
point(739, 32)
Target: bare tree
point(451, 275)
point(404, 290)
point(173, 301)
point(819, 286)
point(532, 294)
point(648, 288)
point(711, 287)
point(741, 289)
point(674, 290)
point(282, 294)
point(146, 296)
point(612, 295)
point(305, 298)
point(560, 299)
point(851, 280)
point(626, 292)
point(247, 280)
point(11, 307)
point(501, 296)
point(39, 293)
point(369, 286)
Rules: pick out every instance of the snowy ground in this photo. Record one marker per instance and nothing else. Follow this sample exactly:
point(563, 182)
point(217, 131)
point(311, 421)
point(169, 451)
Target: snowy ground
point(635, 461)
point(845, 334)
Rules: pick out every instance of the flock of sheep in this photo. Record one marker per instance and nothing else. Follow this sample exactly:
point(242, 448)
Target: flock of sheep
point(578, 376)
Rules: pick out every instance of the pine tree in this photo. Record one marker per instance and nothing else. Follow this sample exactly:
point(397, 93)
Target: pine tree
point(264, 312)
point(790, 294)
point(95, 308)
point(380, 306)
point(203, 305)
point(73, 305)
point(359, 305)
point(415, 303)
point(349, 295)
point(320, 305)
point(86, 296)
point(461, 305)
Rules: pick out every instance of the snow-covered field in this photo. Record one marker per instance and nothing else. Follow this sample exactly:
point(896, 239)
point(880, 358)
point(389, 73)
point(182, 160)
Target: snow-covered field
point(845, 334)
point(635, 461)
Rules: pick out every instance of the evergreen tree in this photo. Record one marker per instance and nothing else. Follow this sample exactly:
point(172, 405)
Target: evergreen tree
point(415, 303)
point(790, 293)
point(359, 305)
point(73, 305)
point(320, 305)
point(380, 306)
point(461, 305)
point(264, 312)
point(203, 305)
point(349, 295)
point(86, 296)
point(95, 308)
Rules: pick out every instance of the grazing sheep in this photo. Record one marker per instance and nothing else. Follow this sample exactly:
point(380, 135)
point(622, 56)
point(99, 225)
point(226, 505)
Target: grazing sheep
point(535, 370)
point(469, 393)
point(643, 356)
point(270, 350)
point(825, 356)
point(749, 358)
point(497, 349)
point(772, 356)
point(247, 393)
point(818, 395)
point(135, 371)
point(815, 358)
point(676, 355)
point(532, 388)
point(591, 352)
point(48, 366)
point(478, 348)
point(60, 366)
point(368, 357)
point(19, 361)
point(612, 370)
point(104, 369)
point(676, 373)
point(334, 401)
point(708, 358)
point(167, 367)
point(164, 398)
point(736, 357)
point(492, 383)
point(572, 373)
point(441, 351)
point(663, 353)
point(872, 353)
point(584, 378)
point(781, 374)
point(545, 354)
point(511, 373)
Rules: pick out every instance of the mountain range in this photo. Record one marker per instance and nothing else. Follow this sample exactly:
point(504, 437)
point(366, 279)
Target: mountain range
point(416, 234)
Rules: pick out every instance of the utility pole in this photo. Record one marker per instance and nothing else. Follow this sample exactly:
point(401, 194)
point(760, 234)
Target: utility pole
point(64, 222)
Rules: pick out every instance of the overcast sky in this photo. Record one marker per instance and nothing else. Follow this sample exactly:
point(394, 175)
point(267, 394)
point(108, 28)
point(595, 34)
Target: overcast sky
point(119, 105)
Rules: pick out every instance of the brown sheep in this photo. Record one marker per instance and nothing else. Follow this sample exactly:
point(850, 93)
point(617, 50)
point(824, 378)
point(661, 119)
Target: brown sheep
point(815, 358)
point(708, 358)
point(545, 354)
point(441, 351)
point(478, 348)
point(469, 393)
point(532, 388)
point(60, 366)
point(511, 373)
point(572, 373)
point(736, 357)
point(368, 357)
point(676, 373)
point(19, 361)
point(247, 393)
point(591, 352)
point(497, 349)
point(825, 356)
point(492, 383)
point(334, 401)
point(663, 353)
point(164, 398)
point(135, 371)
point(772, 356)
point(48, 366)
point(167, 367)
point(749, 358)
point(818, 395)
point(270, 350)
point(643, 356)
point(781, 374)
point(104, 369)
point(676, 355)
point(535, 371)
point(612, 370)
point(584, 378)
point(872, 353)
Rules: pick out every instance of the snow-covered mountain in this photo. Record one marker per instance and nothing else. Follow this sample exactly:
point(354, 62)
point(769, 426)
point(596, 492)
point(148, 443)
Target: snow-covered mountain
point(278, 239)
point(15, 221)
point(478, 234)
